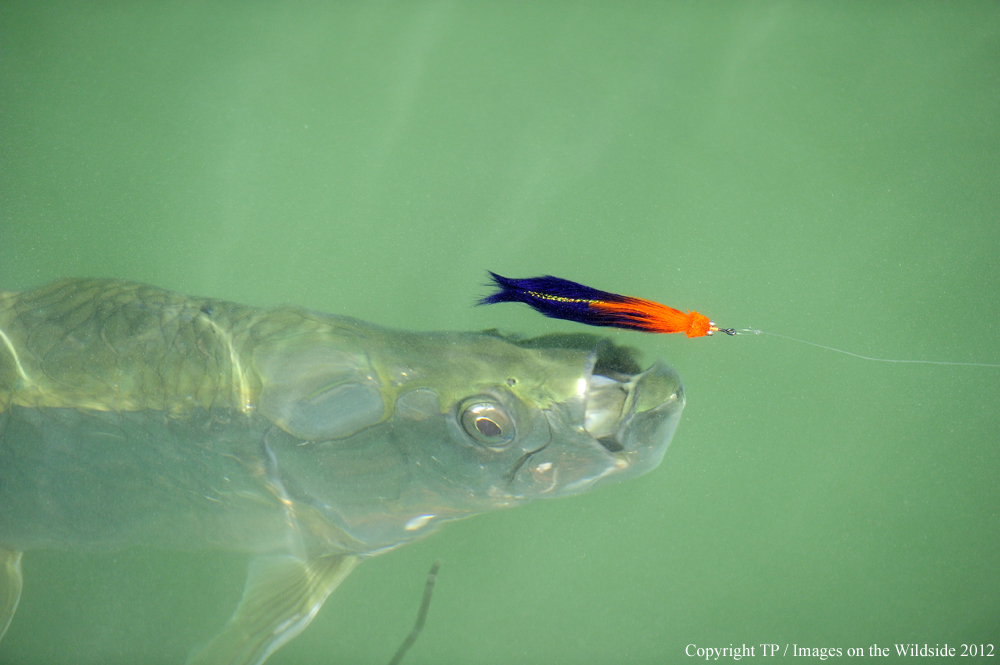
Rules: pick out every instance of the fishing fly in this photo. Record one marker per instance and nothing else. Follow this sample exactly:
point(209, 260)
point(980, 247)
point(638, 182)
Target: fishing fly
point(562, 299)
point(559, 298)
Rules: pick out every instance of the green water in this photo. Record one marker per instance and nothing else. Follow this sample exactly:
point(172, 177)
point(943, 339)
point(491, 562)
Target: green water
point(826, 171)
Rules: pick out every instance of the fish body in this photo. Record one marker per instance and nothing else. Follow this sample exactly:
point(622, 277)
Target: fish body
point(133, 416)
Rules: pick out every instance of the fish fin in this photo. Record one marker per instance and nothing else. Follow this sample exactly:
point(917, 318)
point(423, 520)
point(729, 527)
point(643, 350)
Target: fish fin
point(10, 586)
point(281, 596)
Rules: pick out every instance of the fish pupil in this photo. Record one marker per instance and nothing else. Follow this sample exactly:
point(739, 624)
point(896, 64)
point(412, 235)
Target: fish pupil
point(487, 427)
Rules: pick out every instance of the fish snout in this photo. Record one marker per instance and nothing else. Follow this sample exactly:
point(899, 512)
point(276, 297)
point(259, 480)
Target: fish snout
point(652, 410)
point(648, 408)
point(627, 423)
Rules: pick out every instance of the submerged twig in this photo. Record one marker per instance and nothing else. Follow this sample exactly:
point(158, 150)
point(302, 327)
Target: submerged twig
point(421, 616)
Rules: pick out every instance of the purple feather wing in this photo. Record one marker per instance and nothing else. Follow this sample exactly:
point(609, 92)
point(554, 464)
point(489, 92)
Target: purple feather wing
point(559, 298)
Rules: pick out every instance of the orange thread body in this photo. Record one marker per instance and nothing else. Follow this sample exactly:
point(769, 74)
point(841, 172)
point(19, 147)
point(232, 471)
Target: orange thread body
point(657, 318)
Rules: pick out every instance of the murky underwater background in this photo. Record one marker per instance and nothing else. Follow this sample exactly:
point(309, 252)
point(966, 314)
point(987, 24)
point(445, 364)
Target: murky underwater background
point(823, 170)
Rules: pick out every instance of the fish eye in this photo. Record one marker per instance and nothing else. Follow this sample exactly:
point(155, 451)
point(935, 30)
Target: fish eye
point(487, 423)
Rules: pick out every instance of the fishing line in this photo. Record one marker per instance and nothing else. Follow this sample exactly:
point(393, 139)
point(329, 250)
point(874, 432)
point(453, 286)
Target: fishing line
point(754, 331)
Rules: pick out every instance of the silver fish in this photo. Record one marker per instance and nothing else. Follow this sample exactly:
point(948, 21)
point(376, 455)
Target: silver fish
point(133, 416)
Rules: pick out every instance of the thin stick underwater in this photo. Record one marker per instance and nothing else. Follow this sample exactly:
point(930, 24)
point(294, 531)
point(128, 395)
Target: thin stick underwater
point(418, 626)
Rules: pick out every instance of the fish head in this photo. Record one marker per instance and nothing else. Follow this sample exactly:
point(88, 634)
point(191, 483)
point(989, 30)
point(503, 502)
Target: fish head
point(557, 415)
point(388, 434)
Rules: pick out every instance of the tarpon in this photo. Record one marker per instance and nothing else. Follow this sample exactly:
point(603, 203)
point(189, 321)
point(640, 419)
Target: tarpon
point(133, 416)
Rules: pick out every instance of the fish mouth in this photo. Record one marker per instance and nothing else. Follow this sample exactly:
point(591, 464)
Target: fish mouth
point(619, 428)
point(606, 402)
point(632, 415)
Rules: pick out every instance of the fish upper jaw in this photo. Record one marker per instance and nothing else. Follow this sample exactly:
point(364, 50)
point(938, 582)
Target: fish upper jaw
point(627, 423)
